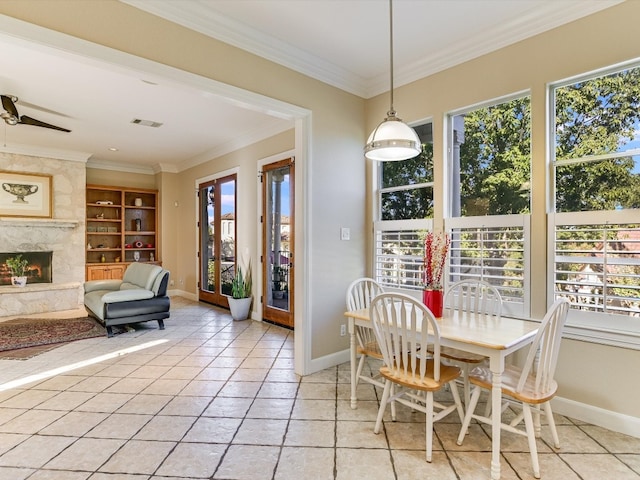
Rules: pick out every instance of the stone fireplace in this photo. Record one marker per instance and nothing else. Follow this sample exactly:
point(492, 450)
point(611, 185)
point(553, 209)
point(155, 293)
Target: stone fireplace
point(60, 237)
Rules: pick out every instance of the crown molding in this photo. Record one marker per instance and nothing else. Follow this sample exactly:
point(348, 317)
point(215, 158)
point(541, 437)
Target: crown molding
point(196, 16)
point(31, 151)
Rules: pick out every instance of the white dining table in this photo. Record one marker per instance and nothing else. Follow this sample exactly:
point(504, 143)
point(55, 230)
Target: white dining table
point(488, 335)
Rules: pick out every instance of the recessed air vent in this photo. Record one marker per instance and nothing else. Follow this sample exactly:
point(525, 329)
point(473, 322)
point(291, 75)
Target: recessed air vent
point(146, 123)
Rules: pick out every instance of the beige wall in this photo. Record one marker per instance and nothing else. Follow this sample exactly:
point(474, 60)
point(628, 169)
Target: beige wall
point(335, 189)
point(598, 41)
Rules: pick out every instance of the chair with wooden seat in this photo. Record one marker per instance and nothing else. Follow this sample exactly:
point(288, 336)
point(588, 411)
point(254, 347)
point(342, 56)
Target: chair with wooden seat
point(406, 331)
point(470, 297)
point(359, 295)
point(531, 385)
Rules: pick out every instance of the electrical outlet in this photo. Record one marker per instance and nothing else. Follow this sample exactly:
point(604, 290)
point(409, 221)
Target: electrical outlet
point(171, 283)
point(345, 233)
point(343, 330)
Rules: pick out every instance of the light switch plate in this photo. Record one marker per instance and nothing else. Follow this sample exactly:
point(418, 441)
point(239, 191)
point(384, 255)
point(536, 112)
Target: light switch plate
point(345, 233)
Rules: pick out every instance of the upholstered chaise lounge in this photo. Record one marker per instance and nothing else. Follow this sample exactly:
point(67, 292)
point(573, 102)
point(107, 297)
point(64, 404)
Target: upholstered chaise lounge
point(140, 296)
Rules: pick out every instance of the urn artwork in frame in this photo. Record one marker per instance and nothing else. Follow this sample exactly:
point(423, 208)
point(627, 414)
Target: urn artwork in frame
point(25, 195)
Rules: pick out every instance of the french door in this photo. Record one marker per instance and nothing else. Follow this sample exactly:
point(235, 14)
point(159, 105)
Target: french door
point(217, 234)
point(278, 242)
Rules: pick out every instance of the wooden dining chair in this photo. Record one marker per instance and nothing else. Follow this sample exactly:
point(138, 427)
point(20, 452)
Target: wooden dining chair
point(405, 329)
point(359, 295)
point(470, 297)
point(531, 385)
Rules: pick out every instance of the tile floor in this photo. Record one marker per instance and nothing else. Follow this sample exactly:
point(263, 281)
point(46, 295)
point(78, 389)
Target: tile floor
point(219, 400)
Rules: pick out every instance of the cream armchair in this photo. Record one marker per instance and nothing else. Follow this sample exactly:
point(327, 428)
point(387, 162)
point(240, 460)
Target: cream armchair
point(140, 296)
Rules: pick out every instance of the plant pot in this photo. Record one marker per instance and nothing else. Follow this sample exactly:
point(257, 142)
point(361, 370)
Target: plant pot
point(239, 308)
point(433, 301)
point(19, 281)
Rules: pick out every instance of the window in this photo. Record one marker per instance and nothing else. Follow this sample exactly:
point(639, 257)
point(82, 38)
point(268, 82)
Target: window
point(405, 207)
point(596, 218)
point(489, 192)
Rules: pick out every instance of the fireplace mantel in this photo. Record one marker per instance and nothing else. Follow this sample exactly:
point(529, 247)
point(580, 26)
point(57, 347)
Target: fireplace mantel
point(38, 222)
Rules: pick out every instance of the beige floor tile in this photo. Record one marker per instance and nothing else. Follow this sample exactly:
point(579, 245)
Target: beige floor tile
point(149, 371)
point(352, 463)
point(573, 440)
point(213, 430)
point(632, 461)
point(166, 360)
point(65, 401)
point(57, 475)
point(226, 362)
point(31, 421)
point(249, 375)
point(117, 370)
point(10, 440)
point(317, 391)
point(551, 466)
point(138, 456)
point(93, 384)
point(265, 353)
point(359, 435)
point(105, 402)
point(182, 373)
point(192, 460)
point(261, 432)
point(271, 408)
point(215, 373)
point(412, 464)
point(202, 388)
point(129, 385)
point(29, 399)
point(120, 476)
point(228, 407)
point(328, 375)
point(240, 389)
point(477, 466)
point(248, 462)
point(59, 383)
point(145, 404)
point(35, 451)
point(300, 462)
point(367, 410)
point(598, 467)
point(278, 390)
point(166, 387)
point(74, 424)
point(408, 436)
point(310, 433)
point(614, 442)
point(120, 426)
point(283, 376)
point(314, 409)
point(15, 473)
point(170, 428)
point(85, 454)
point(7, 414)
point(186, 406)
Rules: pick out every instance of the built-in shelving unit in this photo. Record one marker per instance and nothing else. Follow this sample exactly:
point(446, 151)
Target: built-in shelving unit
point(122, 227)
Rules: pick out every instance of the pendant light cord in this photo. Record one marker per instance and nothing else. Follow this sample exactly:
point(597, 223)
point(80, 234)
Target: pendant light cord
point(391, 109)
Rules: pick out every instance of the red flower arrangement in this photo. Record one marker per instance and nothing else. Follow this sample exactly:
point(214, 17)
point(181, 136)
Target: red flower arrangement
point(436, 248)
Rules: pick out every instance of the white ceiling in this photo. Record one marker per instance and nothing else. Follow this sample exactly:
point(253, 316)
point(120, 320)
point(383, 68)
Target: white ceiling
point(342, 42)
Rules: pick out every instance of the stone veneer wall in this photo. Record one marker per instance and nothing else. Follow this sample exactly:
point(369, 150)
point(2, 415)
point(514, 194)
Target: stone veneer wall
point(64, 234)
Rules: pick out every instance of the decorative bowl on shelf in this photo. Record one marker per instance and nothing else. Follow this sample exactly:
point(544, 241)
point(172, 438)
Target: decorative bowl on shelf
point(138, 244)
point(127, 245)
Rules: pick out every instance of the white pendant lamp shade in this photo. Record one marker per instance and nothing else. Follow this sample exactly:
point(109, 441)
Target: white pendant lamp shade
point(392, 140)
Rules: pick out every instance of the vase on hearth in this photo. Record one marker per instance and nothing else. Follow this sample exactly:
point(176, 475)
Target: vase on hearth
point(432, 298)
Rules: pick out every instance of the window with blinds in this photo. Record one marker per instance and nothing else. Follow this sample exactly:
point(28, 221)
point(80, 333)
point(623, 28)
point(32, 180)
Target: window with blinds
point(399, 253)
point(597, 267)
point(493, 249)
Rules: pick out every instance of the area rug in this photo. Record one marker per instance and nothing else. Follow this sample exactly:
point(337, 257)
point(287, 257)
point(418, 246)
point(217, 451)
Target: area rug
point(24, 338)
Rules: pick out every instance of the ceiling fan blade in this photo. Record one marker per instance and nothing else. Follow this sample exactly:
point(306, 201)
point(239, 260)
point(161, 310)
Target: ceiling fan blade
point(37, 123)
point(9, 106)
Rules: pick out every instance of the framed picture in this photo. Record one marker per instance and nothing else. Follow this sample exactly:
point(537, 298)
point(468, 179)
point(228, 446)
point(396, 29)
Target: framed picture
point(25, 195)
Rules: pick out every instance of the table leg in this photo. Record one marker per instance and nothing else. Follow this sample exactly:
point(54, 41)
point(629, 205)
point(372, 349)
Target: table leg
point(497, 367)
point(352, 352)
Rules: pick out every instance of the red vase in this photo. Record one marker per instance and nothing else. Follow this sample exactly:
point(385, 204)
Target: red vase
point(433, 301)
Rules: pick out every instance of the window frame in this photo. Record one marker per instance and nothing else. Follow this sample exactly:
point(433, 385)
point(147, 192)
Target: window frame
point(595, 327)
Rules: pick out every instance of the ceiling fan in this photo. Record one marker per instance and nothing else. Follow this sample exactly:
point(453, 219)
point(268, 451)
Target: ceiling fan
point(11, 116)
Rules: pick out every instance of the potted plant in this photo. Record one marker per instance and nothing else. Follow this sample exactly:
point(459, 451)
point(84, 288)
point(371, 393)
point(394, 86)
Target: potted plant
point(240, 300)
point(18, 267)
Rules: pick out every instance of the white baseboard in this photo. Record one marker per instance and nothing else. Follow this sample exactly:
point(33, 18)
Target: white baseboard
point(181, 293)
point(608, 419)
point(327, 361)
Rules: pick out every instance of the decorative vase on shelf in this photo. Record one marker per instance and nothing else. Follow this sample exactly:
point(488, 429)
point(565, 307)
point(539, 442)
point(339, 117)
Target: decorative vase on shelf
point(433, 301)
point(138, 202)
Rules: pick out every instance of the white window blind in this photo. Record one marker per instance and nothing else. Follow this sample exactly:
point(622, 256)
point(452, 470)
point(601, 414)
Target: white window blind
point(494, 249)
point(399, 253)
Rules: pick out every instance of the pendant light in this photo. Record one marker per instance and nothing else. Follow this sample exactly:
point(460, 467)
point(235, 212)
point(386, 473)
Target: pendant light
point(393, 139)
